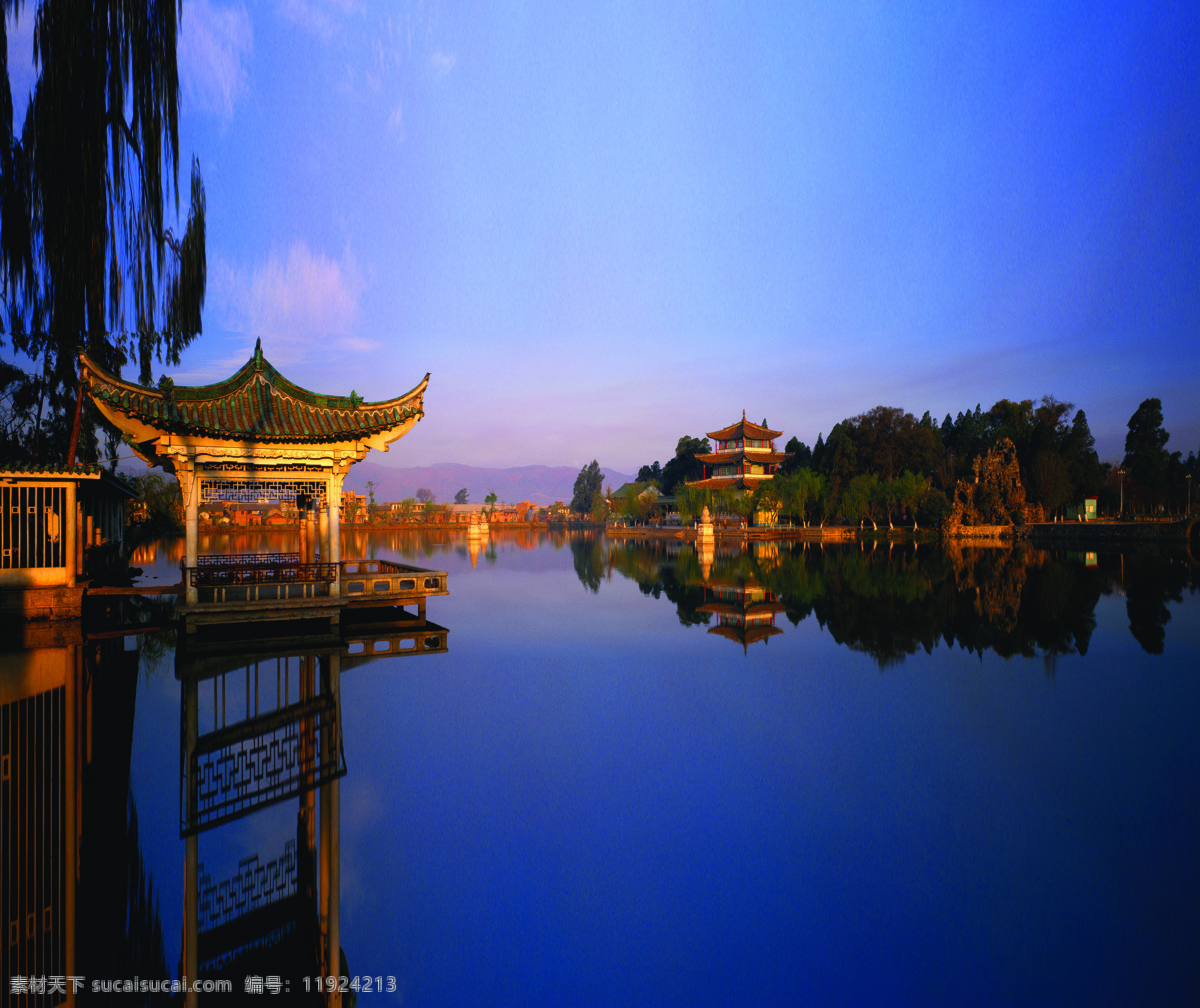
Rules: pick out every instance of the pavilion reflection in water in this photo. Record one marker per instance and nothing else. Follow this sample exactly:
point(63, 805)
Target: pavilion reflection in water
point(261, 724)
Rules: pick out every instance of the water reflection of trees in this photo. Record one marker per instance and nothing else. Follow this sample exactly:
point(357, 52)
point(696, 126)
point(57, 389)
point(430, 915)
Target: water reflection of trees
point(890, 601)
point(662, 569)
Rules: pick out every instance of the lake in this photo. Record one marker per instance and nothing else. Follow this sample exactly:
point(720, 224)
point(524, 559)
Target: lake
point(774, 775)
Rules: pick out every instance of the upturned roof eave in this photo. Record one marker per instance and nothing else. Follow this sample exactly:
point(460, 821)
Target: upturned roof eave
point(181, 410)
point(761, 433)
point(760, 455)
point(240, 378)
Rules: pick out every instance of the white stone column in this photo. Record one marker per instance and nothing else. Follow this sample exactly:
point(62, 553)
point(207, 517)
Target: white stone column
point(333, 555)
point(310, 534)
point(189, 485)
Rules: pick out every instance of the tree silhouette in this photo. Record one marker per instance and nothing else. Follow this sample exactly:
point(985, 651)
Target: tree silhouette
point(1146, 455)
point(587, 484)
point(86, 255)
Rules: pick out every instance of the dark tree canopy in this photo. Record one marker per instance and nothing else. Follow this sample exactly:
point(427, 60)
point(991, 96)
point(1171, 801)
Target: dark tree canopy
point(650, 473)
point(461, 496)
point(87, 255)
point(588, 484)
point(684, 466)
point(1146, 455)
point(801, 455)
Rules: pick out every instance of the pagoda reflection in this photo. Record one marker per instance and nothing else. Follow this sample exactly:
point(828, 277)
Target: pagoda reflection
point(745, 612)
point(890, 600)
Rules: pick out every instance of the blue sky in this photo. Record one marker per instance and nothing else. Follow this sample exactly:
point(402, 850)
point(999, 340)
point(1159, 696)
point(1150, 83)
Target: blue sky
point(604, 226)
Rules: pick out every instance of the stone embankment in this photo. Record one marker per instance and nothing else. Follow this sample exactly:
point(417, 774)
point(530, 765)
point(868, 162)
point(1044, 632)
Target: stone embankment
point(1110, 531)
point(1094, 531)
point(1041, 532)
point(832, 533)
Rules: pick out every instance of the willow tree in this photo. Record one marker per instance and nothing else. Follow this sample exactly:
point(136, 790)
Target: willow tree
point(89, 259)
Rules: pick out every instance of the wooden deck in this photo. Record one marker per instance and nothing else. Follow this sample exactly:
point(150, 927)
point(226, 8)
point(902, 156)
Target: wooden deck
point(276, 587)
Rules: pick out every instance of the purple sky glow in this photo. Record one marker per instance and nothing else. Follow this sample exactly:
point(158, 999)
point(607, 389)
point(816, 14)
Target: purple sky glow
point(604, 226)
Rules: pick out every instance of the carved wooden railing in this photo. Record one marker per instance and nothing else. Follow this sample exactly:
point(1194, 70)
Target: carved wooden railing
point(243, 577)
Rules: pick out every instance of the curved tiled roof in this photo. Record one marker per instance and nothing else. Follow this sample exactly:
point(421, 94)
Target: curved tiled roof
point(745, 429)
point(255, 404)
point(729, 482)
point(758, 456)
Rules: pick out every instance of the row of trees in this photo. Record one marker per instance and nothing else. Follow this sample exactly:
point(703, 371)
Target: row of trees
point(885, 463)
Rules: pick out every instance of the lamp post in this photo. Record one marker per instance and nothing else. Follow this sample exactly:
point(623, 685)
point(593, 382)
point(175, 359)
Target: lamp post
point(1189, 484)
point(1121, 480)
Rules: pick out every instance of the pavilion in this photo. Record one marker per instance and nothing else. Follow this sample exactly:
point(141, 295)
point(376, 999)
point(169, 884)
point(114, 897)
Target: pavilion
point(254, 436)
point(744, 457)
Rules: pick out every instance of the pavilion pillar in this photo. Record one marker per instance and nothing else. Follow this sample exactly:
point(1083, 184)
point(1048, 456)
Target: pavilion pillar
point(189, 485)
point(333, 552)
point(70, 529)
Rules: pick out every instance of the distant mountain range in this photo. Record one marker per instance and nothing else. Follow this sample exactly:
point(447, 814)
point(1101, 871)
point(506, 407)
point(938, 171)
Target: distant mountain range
point(540, 484)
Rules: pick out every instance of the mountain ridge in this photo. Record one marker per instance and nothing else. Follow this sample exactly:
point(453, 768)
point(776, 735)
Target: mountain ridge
point(537, 483)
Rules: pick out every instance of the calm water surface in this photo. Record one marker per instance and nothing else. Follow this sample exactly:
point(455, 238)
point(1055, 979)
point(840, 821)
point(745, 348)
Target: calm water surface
point(790, 775)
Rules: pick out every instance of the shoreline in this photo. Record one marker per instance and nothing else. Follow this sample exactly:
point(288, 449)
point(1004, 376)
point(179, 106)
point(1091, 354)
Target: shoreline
point(1096, 531)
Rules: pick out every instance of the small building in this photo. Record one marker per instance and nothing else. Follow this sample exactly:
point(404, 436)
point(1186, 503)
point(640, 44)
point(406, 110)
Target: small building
point(355, 508)
point(58, 527)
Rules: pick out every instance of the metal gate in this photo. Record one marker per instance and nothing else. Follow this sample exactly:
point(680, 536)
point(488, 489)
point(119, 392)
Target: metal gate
point(32, 526)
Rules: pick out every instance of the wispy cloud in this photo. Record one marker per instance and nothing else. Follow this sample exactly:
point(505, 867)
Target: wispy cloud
point(442, 62)
point(300, 302)
point(215, 44)
point(396, 120)
point(318, 17)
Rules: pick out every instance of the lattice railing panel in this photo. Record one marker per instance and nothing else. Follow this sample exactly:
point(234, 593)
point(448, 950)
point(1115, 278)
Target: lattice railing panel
point(255, 885)
point(251, 491)
point(236, 770)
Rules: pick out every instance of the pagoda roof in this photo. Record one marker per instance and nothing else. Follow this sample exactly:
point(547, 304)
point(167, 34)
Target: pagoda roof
point(255, 404)
point(760, 456)
point(746, 429)
point(747, 482)
point(745, 636)
point(724, 608)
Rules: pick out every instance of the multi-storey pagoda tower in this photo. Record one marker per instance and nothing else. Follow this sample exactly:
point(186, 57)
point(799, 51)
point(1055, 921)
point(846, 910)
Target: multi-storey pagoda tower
point(255, 435)
point(744, 457)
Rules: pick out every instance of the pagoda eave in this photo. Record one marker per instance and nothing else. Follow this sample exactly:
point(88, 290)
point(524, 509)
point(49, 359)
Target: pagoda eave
point(759, 456)
point(744, 429)
point(748, 481)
